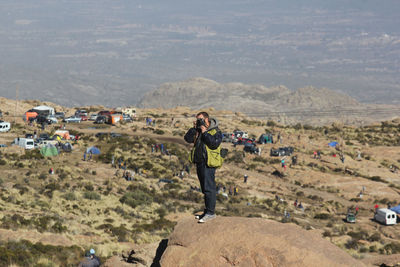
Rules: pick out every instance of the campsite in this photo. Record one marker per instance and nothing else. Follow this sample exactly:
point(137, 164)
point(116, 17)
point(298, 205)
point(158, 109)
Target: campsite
point(124, 185)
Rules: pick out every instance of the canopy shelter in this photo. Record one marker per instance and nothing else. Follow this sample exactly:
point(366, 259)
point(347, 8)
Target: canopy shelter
point(44, 110)
point(333, 144)
point(94, 150)
point(396, 209)
point(67, 147)
point(49, 150)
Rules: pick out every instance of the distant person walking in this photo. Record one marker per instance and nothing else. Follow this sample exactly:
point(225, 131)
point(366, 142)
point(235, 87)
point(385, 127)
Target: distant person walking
point(342, 158)
point(283, 164)
point(376, 207)
point(245, 178)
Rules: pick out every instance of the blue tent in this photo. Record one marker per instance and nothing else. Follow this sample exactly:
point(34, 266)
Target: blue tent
point(333, 144)
point(94, 150)
point(396, 209)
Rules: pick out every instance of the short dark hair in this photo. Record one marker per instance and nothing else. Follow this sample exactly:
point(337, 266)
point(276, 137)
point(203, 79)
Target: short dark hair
point(205, 114)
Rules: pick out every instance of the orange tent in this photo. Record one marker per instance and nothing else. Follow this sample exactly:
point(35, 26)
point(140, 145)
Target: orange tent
point(29, 115)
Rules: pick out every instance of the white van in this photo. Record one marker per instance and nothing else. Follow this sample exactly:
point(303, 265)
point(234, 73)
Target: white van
point(4, 126)
point(386, 216)
point(26, 143)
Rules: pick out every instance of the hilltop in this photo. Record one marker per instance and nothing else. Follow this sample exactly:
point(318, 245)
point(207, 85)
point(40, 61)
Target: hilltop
point(89, 204)
point(274, 102)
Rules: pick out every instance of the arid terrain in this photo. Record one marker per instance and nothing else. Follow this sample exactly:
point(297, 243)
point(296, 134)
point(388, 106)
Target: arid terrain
point(53, 219)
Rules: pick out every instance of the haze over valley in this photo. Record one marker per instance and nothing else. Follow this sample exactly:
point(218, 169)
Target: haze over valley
point(113, 52)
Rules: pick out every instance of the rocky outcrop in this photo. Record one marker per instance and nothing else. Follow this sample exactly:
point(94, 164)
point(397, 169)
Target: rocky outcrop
point(232, 241)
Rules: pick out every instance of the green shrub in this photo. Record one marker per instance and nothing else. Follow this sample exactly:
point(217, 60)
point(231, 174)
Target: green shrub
point(69, 196)
point(322, 216)
point(159, 131)
point(25, 253)
point(136, 198)
point(392, 248)
point(361, 235)
point(32, 154)
point(352, 244)
point(327, 234)
point(235, 156)
point(91, 195)
point(375, 237)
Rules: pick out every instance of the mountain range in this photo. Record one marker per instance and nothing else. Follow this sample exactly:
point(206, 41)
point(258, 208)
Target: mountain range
point(308, 103)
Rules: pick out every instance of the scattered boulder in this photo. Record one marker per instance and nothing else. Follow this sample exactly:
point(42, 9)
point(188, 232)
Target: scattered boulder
point(234, 241)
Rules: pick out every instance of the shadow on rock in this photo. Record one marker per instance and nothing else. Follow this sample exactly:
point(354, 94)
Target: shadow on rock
point(160, 251)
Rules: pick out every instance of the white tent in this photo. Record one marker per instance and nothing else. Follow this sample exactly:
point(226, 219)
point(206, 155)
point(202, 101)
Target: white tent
point(44, 109)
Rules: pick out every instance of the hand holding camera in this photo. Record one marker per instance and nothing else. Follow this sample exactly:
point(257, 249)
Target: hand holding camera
point(200, 125)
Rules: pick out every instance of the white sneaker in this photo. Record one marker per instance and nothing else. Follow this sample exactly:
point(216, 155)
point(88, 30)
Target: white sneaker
point(207, 217)
point(198, 217)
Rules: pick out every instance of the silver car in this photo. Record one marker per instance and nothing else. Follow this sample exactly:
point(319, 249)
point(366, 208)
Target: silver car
point(73, 119)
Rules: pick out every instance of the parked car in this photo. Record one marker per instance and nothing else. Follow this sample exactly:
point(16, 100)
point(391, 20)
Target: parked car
point(83, 117)
point(243, 141)
point(72, 119)
point(44, 136)
point(114, 135)
point(52, 118)
point(350, 217)
point(100, 119)
point(4, 126)
point(43, 119)
point(60, 115)
point(282, 151)
point(385, 216)
point(101, 134)
point(80, 112)
point(93, 117)
point(3, 145)
point(240, 134)
point(251, 148)
point(126, 118)
point(104, 113)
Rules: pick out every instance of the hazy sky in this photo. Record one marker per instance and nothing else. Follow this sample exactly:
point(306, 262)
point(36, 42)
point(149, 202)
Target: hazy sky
point(94, 51)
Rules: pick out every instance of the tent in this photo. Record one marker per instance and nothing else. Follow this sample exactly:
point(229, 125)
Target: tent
point(67, 147)
point(56, 137)
point(44, 110)
point(265, 139)
point(49, 150)
point(396, 209)
point(333, 144)
point(94, 150)
point(63, 133)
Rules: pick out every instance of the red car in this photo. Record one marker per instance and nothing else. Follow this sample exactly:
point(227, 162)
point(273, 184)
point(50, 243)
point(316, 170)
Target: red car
point(84, 117)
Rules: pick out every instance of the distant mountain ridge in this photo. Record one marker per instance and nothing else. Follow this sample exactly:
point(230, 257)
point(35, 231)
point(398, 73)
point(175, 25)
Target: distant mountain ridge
point(200, 93)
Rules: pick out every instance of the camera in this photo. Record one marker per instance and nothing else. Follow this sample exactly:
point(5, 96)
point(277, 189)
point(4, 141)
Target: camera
point(199, 123)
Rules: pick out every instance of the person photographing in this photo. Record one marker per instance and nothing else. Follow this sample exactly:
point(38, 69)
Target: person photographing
point(206, 154)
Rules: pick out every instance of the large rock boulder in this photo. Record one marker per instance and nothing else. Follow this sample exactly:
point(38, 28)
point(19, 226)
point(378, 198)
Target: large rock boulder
point(233, 241)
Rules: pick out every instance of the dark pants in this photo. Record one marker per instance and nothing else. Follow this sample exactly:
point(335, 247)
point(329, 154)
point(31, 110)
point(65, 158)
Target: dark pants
point(206, 177)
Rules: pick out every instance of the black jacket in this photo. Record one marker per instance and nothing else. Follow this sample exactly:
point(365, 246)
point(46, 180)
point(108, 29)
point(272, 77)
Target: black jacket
point(212, 141)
